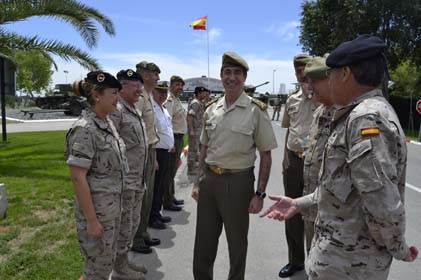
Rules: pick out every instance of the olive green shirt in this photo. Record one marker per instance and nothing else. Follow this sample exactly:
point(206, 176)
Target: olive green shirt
point(177, 113)
point(145, 109)
point(298, 115)
point(233, 134)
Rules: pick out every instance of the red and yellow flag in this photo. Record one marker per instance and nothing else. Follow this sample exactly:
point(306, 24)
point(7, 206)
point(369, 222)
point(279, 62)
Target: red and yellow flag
point(199, 24)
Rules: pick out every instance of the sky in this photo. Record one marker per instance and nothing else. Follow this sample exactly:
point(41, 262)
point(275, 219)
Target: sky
point(265, 33)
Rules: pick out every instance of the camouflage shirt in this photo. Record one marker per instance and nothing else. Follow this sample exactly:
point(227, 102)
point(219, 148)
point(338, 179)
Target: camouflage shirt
point(131, 128)
point(196, 109)
point(361, 219)
point(319, 133)
point(94, 144)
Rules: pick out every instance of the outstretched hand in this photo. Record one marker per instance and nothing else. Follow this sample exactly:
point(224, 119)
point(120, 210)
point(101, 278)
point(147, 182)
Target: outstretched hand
point(283, 209)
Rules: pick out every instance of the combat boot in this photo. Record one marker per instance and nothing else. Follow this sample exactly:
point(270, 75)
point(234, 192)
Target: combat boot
point(122, 270)
point(138, 267)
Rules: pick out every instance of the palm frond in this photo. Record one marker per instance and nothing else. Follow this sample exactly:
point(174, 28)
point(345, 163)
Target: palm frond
point(50, 58)
point(67, 52)
point(80, 16)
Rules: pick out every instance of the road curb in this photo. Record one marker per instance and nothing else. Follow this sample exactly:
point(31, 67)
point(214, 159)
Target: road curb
point(413, 142)
point(40, 121)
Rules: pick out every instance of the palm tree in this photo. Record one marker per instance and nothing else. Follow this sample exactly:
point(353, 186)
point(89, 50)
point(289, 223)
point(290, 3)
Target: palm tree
point(80, 16)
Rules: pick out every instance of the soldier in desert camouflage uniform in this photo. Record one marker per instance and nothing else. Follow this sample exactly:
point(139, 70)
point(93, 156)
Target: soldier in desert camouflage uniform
point(130, 126)
point(195, 123)
point(361, 220)
point(316, 74)
point(95, 154)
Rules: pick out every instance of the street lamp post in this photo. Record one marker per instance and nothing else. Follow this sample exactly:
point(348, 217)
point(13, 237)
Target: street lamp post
point(65, 74)
point(273, 81)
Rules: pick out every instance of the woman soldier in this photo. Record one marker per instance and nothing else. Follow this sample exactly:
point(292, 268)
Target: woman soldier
point(96, 157)
point(130, 126)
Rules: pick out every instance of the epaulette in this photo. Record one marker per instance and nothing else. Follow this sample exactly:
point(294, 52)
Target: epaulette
point(263, 106)
point(211, 102)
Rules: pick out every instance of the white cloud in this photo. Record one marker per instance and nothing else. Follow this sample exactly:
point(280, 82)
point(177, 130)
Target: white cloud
point(261, 69)
point(287, 30)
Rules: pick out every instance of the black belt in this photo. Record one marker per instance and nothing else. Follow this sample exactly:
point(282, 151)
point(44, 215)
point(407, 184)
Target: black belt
point(178, 135)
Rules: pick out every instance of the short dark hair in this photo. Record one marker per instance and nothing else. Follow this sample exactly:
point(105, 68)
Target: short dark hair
point(369, 72)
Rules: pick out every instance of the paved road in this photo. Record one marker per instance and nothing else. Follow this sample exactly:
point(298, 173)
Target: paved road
point(267, 247)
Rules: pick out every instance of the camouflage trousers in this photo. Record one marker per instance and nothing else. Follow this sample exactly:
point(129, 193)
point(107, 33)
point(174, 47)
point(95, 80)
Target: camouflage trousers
point(130, 219)
point(99, 253)
point(193, 154)
point(309, 233)
point(276, 110)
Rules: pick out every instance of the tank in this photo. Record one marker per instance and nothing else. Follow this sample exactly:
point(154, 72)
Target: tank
point(64, 99)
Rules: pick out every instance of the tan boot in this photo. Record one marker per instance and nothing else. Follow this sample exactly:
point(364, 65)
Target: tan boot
point(138, 267)
point(122, 270)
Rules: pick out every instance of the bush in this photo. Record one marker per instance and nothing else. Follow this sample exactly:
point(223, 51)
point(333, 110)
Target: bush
point(10, 101)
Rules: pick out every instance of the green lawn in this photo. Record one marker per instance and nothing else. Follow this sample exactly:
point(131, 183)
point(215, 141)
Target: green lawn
point(37, 238)
point(411, 134)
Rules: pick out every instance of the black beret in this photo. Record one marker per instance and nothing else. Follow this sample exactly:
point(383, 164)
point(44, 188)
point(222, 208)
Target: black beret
point(102, 78)
point(350, 52)
point(200, 89)
point(129, 75)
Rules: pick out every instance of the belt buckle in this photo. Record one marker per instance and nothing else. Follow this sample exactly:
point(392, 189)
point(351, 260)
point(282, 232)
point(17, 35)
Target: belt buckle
point(217, 170)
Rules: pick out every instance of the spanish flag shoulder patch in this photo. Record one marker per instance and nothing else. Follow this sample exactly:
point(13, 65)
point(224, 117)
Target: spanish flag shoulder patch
point(370, 131)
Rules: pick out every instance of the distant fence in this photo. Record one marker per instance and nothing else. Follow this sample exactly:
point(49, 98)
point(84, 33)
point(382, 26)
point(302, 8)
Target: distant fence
point(402, 107)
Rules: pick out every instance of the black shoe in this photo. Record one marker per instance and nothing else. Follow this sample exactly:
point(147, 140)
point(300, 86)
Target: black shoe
point(290, 269)
point(165, 219)
point(142, 249)
point(178, 202)
point(157, 225)
point(173, 207)
point(152, 242)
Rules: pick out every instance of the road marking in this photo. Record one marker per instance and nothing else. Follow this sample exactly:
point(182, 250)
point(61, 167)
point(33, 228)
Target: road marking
point(413, 187)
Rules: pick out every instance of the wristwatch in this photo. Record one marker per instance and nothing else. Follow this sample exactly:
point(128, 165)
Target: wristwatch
point(261, 194)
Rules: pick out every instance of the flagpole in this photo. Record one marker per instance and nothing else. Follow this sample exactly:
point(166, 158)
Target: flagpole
point(207, 31)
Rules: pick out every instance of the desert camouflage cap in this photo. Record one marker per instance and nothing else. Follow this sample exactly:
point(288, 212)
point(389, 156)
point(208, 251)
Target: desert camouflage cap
point(162, 85)
point(301, 59)
point(150, 66)
point(175, 78)
point(233, 59)
point(316, 68)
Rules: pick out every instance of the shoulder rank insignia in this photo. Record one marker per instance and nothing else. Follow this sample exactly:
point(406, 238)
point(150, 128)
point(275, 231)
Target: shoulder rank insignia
point(263, 106)
point(370, 131)
point(211, 102)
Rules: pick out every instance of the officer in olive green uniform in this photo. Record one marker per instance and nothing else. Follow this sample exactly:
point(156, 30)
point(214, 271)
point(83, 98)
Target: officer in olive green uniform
point(234, 126)
point(130, 126)
point(360, 225)
point(195, 124)
point(316, 74)
point(150, 76)
point(178, 115)
point(95, 154)
point(298, 115)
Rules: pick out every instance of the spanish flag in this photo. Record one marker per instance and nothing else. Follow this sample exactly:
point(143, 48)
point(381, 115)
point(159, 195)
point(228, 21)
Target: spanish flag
point(199, 24)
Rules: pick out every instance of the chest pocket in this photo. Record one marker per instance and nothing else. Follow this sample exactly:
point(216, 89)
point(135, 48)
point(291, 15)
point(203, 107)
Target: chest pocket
point(107, 155)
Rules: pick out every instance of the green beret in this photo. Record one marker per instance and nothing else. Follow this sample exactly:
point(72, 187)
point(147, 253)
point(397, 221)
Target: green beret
point(230, 59)
point(150, 66)
point(175, 78)
point(162, 85)
point(129, 75)
point(301, 59)
point(316, 68)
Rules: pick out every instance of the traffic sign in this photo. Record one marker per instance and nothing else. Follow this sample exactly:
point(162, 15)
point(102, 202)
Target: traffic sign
point(419, 106)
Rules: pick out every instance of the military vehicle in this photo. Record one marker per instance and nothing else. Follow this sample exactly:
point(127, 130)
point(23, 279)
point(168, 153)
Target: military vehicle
point(64, 99)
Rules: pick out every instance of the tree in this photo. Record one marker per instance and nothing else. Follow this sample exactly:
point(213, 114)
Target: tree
point(327, 23)
point(406, 80)
point(80, 16)
point(33, 74)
